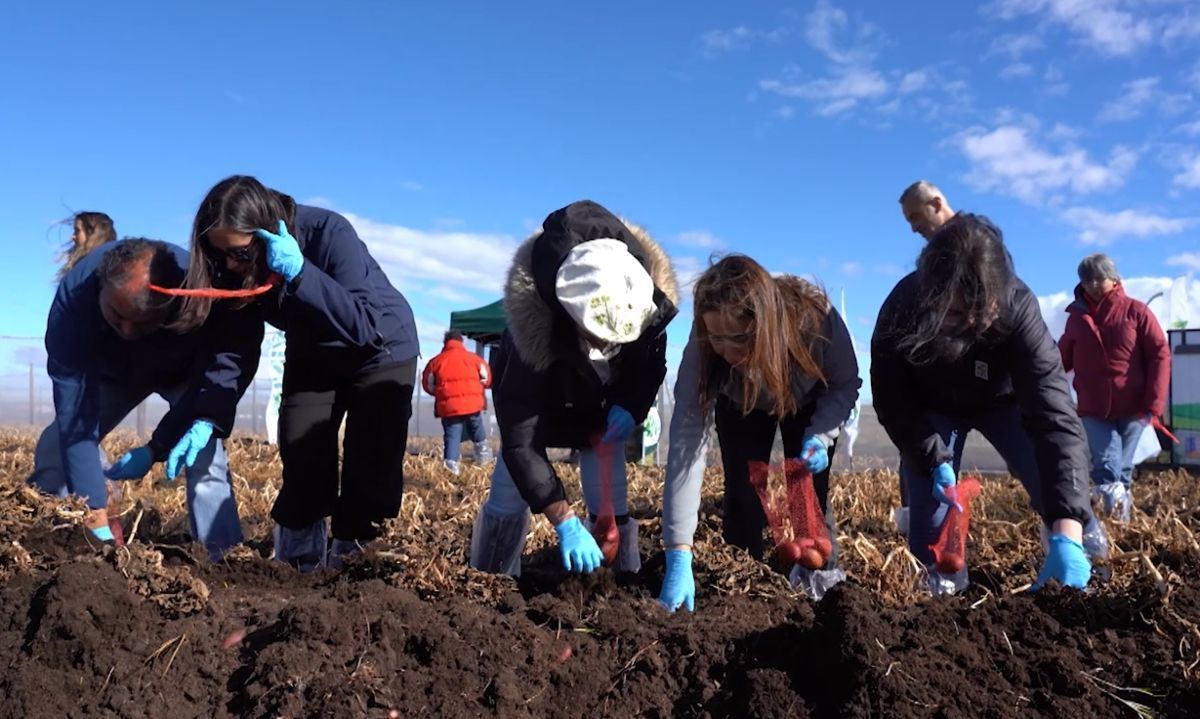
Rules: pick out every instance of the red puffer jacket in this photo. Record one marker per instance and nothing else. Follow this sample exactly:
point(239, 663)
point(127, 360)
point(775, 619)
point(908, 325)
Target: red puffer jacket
point(456, 378)
point(1120, 356)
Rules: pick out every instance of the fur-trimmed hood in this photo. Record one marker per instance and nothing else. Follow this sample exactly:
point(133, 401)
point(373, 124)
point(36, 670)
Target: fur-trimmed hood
point(531, 317)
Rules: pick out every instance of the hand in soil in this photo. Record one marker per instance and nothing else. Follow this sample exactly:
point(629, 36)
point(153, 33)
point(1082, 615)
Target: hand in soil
point(679, 587)
point(579, 550)
point(1066, 562)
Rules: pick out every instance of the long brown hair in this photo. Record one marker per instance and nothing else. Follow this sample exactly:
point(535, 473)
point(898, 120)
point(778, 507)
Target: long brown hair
point(239, 203)
point(97, 230)
point(784, 316)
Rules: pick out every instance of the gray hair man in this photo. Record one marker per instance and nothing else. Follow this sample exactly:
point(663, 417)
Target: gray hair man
point(925, 208)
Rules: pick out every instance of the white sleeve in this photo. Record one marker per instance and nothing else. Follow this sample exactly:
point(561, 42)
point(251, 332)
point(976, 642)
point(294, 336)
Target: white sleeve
point(687, 452)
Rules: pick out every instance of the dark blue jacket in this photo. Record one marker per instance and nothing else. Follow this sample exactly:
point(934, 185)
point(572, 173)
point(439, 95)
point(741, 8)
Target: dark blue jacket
point(218, 360)
point(341, 309)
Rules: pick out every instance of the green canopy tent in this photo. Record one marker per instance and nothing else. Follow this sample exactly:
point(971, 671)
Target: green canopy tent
point(482, 324)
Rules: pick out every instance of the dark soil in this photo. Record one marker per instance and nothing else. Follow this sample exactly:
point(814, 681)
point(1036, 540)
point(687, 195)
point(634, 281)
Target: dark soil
point(125, 634)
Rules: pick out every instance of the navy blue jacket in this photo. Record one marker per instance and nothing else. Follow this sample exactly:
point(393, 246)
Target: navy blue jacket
point(341, 308)
point(218, 361)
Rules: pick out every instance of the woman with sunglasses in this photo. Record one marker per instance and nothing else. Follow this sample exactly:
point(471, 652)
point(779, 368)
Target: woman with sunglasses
point(351, 352)
point(960, 345)
point(766, 354)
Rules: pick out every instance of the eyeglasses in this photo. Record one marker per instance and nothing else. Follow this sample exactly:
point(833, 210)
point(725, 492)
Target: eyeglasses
point(740, 339)
point(241, 255)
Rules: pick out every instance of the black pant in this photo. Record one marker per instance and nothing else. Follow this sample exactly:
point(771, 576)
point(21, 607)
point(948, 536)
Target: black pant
point(750, 437)
point(377, 405)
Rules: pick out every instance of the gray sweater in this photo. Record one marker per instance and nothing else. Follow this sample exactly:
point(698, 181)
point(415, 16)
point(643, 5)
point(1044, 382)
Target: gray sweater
point(690, 421)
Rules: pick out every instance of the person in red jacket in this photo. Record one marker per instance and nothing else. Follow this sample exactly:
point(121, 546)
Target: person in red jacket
point(1122, 370)
point(456, 379)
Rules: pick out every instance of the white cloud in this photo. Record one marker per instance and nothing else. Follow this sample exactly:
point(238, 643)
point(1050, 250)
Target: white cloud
point(839, 92)
point(786, 112)
point(1007, 159)
point(1187, 260)
point(456, 259)
point(1145, 289)
point(823, 28)
point(1062, 132)
point(1098, 24)
point(1190, 176)
point(412, 186)
point(1097, 227)
point(1016, 46)
point(699, 238)
point(318, 201)
point(1055, 84)
point(853, 269)
point(1186, 27)
point(914, 82)
point(1015, 70)
point(1192, 129)
point(450, 294)
point(715, 42)
point(1137, 96)
point(687, 270)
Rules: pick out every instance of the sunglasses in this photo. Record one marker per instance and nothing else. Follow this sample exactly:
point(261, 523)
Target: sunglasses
point(241, 255)
point(739, 339)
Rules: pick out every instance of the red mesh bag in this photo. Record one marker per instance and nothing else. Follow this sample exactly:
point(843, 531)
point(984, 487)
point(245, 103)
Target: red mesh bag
point(799, 527)
point(605, 529)
point(950, 550)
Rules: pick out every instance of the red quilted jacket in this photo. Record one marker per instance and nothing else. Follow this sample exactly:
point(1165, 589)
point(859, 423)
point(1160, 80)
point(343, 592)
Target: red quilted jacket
point(1120, 356)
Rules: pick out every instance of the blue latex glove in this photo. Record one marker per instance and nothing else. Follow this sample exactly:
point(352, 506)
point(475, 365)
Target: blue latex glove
point(188, 448)
point(1065, 562)
point(132, 465)
point(579, 550)
point(814, 455)
point(679, 588)
point(620, 425)
point(283, 253)
point(943, 485)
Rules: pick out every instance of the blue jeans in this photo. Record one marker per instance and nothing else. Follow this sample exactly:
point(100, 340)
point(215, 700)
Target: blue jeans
point(212, 509)
point(1002, 428)
point(504, 499)
point(453, 429)
point(1112, 444)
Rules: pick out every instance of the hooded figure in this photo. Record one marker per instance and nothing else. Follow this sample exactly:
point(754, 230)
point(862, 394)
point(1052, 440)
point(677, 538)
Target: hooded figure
point(588, 300)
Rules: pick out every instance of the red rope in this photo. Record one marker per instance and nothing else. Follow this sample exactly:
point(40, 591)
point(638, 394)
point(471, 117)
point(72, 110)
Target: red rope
point(216, 294)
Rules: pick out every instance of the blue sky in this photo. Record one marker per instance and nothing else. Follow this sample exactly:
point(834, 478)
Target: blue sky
point(446, 131)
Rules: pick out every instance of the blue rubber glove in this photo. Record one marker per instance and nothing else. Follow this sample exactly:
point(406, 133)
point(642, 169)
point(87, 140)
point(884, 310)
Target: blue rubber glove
point(579, 550)
point(943, 485)
point(620, 425)
point(679, 588)
point(283, 253)
point(814, 455)
point(132, 465)
point(188, 448)
point(1065, 562)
